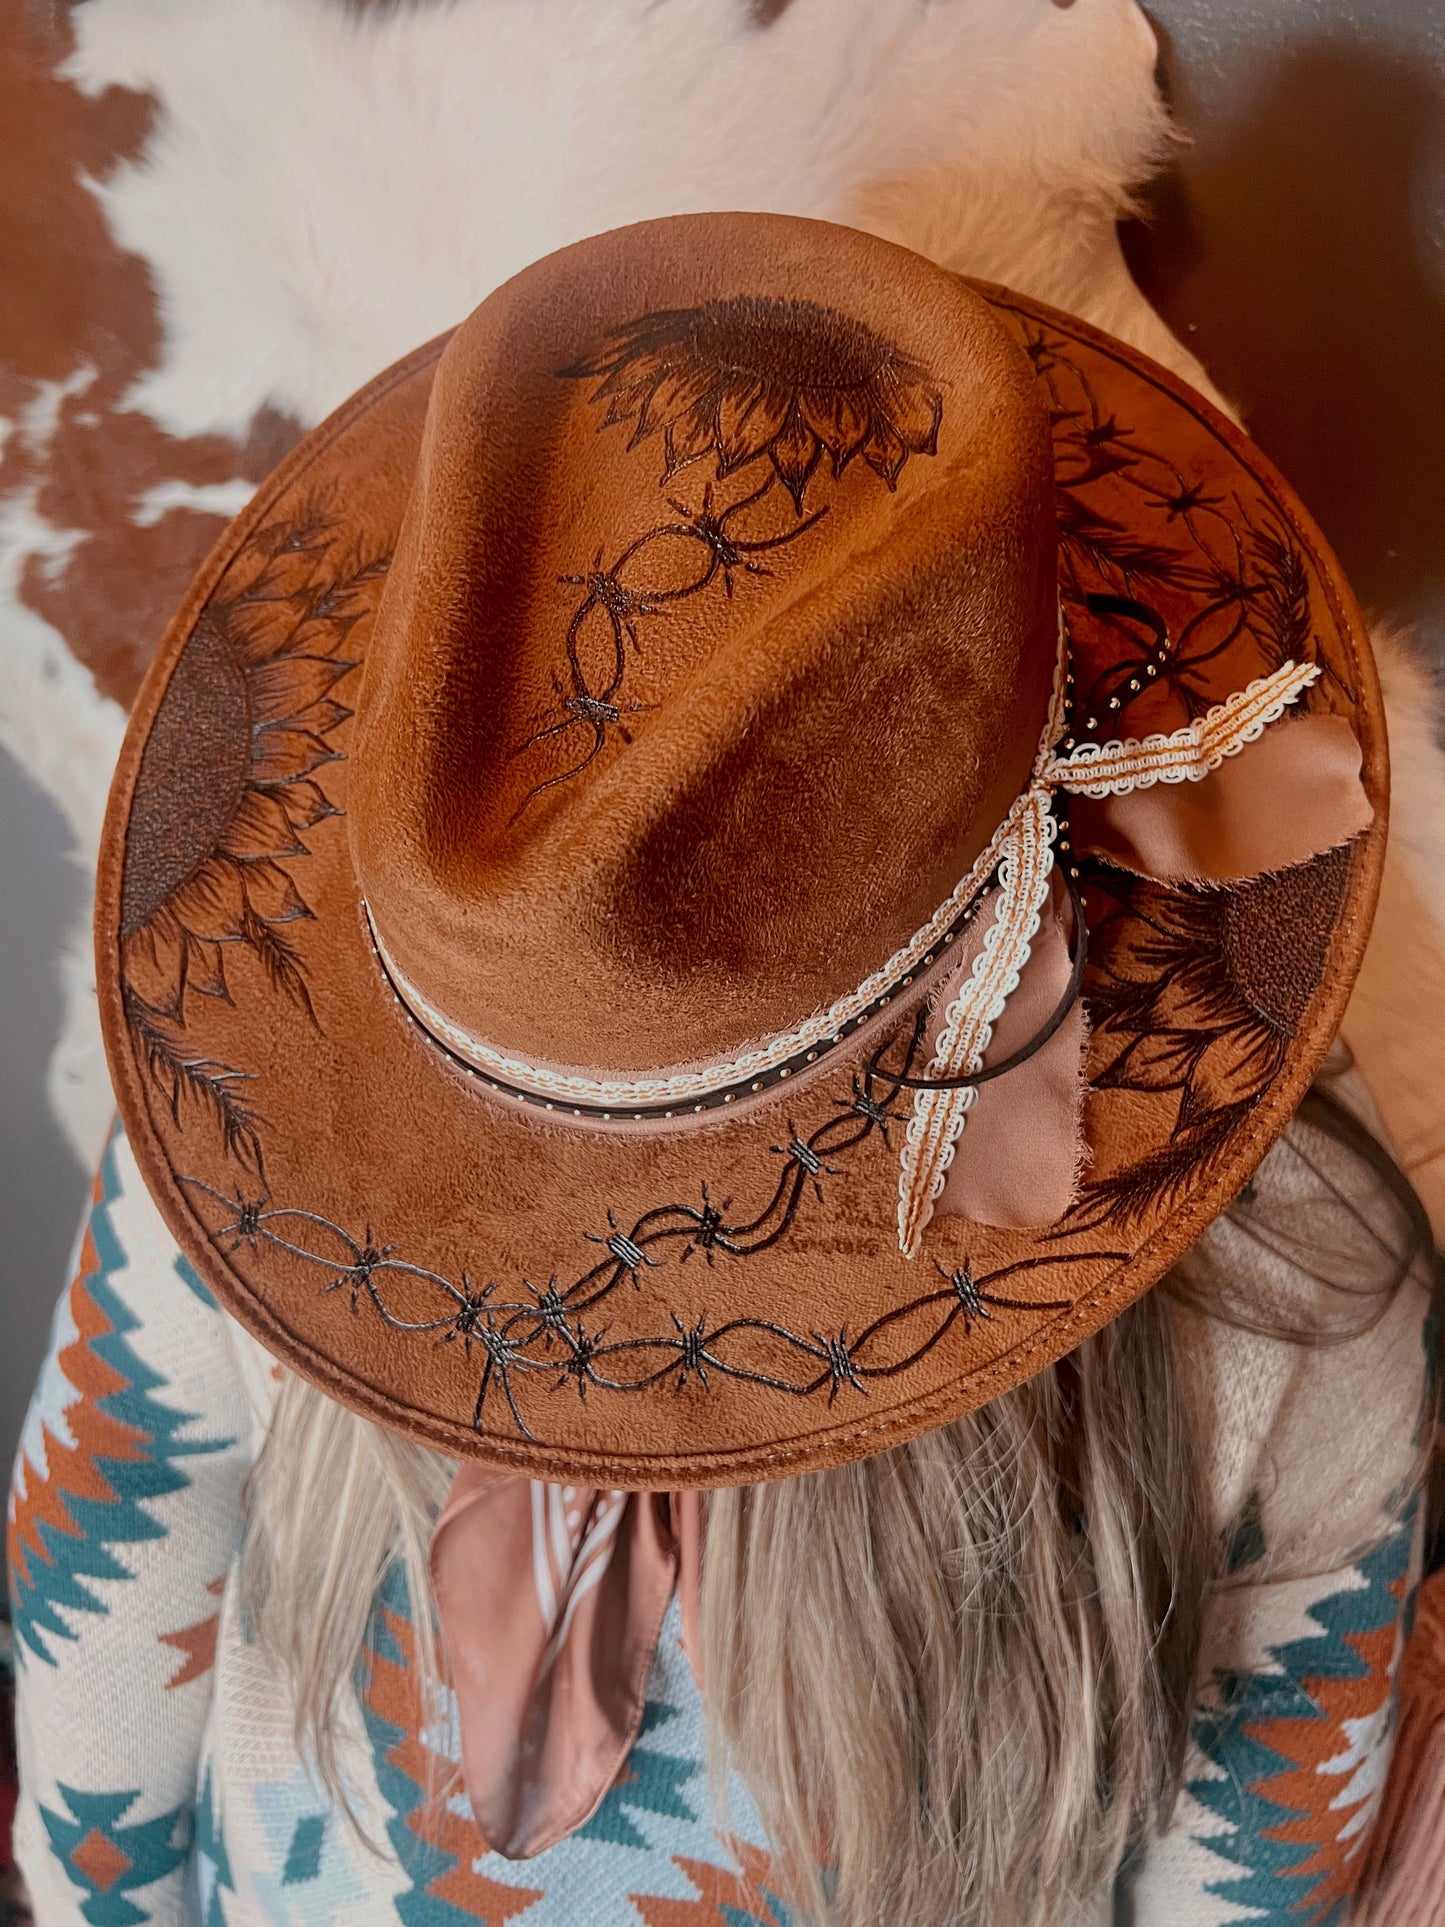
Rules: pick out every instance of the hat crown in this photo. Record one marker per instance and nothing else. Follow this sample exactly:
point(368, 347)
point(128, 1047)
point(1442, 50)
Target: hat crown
point(719, 637)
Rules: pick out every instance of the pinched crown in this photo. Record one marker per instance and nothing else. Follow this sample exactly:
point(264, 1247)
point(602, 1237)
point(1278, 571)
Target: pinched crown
point(712, 655)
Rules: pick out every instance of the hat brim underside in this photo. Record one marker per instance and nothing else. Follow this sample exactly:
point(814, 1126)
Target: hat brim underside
point(728, 1303)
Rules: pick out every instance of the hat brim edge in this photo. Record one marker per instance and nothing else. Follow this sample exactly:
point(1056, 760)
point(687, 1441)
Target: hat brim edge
point(749, 1463)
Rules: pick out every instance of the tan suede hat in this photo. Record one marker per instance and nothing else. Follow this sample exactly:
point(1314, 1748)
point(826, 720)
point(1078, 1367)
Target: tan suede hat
point(728, 862)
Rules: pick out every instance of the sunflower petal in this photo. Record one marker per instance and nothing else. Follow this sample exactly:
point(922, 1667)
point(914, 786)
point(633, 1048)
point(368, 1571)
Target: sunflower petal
point(627, 402)
point(678, 391)
point(287, 755)
point(153, 964)
point(912, 408)
point(282, 687)
point(313, 633)
point(1237, 1066)
point(205, 971)
point(796, 453)
point(750, 413)
point(307, 804)
point(259, 826)
point(841, 420)
point(691, 435)
point(211, 904)
point(320, 718)
point(623, 375)
point(271, 893)
point(1197, 984)
point(884, 452)
point(1161, 1060)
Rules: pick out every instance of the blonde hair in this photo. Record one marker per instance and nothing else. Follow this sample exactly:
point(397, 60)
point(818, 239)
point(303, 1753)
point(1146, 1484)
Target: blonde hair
point(959, 1672)
point(957, 1675)
point(333, 1503)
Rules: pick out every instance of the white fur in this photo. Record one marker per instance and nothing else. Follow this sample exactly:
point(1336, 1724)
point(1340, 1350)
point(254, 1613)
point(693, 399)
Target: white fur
point(324, 191)
point(207, 498)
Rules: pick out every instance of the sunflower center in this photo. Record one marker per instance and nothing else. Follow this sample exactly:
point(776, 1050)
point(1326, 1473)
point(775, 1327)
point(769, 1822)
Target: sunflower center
point(1276, 933)
point(191, 774)
point(789, 343)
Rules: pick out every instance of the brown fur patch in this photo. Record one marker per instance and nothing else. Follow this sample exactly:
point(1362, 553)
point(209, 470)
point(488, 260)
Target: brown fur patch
point(77, 303)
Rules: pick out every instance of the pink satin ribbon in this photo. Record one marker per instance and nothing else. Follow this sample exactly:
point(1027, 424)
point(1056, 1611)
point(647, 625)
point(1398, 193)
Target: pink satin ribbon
point(1290, 795)
point(550, 1601)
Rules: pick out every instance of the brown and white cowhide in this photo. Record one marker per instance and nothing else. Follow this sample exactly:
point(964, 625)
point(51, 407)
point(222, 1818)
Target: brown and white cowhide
point(217, 221)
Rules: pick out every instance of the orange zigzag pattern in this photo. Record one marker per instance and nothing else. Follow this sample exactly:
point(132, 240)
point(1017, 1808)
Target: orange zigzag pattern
point(72, 1469)
point(1311, 1785)
point(719, 1888)
point(196, 1644)
point(391, 1692)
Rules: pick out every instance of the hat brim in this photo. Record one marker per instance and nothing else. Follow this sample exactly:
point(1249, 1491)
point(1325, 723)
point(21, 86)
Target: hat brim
point(726, 1303)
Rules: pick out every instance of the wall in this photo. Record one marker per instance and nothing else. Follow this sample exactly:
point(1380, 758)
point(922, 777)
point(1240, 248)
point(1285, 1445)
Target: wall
point(42, 1188)
point(1299, 246)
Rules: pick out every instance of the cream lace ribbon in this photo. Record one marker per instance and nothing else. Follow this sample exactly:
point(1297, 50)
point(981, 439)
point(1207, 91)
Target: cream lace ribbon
point(1026, 862)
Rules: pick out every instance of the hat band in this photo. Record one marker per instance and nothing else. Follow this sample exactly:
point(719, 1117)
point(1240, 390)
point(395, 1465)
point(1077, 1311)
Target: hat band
point(1092, 769)
point(687, 1094)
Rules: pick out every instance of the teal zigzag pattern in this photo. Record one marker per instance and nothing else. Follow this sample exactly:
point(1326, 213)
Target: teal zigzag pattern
point(651, 1783)
point(88, 1502)
point(110, 1861)
point(213, 1863)
point(1280, 1876)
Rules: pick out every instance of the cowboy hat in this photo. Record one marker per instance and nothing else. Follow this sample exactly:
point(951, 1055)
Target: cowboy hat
point(726, 863)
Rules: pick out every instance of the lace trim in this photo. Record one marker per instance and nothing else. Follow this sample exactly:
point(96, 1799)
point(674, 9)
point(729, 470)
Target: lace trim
point(1190, 754)
point(939, 1117)
point(1095, 769)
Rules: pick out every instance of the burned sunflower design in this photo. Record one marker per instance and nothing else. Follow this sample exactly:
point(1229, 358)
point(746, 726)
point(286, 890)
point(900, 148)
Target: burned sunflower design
point(1168, 575)
point(751, 383)
point(756, 378)
point(1200, 993)
point(231, 784)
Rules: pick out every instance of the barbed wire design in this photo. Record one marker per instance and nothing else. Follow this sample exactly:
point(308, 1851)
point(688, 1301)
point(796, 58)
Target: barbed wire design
point(549, 1332)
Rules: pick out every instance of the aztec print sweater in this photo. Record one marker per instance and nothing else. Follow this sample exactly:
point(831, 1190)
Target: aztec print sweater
point(160, 1783)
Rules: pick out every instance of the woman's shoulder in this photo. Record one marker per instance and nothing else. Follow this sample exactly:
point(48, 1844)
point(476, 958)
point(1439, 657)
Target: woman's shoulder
point(1306, 1337)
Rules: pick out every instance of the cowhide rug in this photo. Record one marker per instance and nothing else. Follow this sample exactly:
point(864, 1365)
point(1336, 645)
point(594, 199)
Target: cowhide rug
point(219, 220)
